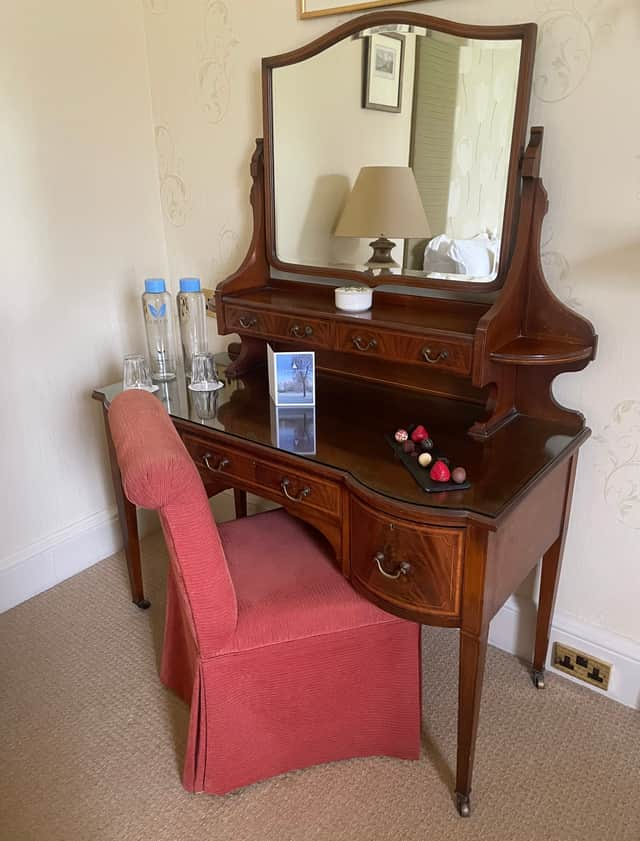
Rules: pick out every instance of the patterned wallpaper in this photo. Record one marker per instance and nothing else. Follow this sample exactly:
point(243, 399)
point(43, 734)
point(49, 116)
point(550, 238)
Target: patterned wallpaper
point(204, 64)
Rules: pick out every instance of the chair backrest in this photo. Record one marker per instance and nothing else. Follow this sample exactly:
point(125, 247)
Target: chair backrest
point(157, 472)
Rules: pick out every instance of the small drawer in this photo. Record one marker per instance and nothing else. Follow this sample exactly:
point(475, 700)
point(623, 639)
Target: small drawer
point(298, 329)
point(415, 569)
point(295, 489)
point(213, 460)
point(428, 349)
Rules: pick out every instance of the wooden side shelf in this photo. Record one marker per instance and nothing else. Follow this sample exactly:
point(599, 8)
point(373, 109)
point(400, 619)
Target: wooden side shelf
point(531, 351)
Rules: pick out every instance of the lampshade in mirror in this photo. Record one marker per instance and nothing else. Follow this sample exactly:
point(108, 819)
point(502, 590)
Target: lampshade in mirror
point(383, 203)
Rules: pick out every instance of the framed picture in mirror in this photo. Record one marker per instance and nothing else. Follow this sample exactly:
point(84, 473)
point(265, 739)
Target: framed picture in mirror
point(320, 8)
point(383, 66)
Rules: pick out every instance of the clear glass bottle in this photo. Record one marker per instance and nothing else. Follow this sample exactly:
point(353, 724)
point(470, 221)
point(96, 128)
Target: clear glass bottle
point(158, 322)
point(192, 315)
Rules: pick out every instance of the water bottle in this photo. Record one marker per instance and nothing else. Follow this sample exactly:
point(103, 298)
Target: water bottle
point(158, 322)
point(192, 314)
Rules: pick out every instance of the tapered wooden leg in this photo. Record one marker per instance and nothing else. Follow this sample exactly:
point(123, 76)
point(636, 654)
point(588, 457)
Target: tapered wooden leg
point(473, 651)
point(474, 632)
point(128, 525)
point(240, 499)
point(551, 563)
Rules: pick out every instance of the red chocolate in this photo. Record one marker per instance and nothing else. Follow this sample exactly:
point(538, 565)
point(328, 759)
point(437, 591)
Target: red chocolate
point(440, 472)
point(419, 434)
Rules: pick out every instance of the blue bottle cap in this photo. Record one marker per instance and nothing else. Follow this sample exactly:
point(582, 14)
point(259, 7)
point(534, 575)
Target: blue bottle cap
point(189, 284)
point(154, 284)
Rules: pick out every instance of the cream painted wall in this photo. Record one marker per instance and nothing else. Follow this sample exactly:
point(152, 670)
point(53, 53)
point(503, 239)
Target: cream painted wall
point(79, 227)
point(204, 60)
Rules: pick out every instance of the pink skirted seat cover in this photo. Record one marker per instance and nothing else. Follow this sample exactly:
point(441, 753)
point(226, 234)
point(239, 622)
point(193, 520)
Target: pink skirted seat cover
point(283, 663)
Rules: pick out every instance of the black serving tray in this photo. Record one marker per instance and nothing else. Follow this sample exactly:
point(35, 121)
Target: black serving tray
point(421, 474)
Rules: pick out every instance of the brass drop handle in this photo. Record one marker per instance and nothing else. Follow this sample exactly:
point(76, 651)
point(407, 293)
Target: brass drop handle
point(224, 462)
point(284, 484)
point(301, 332)
point(247, 323)
point(426, 352)
point(359, 342)
point(403, 569)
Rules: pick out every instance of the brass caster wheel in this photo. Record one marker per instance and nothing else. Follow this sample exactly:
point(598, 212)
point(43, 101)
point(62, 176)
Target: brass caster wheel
point(537, 675)
point(464, 805)
point(143, 604)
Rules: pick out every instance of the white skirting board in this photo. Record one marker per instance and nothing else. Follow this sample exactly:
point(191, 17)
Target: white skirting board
point(48, 562)
point(513, 630)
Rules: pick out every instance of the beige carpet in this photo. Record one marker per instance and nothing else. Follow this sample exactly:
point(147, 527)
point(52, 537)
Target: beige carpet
point(91, 744)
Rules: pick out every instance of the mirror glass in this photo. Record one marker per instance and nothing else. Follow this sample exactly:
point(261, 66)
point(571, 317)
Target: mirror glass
point(393, 99)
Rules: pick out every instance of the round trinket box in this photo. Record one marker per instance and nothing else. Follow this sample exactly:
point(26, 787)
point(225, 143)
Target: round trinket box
point(353, 298)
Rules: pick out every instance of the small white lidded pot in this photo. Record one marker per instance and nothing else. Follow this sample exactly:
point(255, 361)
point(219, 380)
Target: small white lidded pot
point(353, 298)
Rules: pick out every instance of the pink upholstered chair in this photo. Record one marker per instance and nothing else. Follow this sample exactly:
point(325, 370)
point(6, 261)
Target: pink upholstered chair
point(284, 665)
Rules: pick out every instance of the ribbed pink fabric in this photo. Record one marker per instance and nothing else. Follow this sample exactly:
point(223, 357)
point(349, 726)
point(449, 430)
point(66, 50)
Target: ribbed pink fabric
point(284, 665)
point(158, 473)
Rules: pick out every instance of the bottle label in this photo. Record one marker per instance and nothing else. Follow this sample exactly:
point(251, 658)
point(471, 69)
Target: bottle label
point(184, 309)
point(157, 312)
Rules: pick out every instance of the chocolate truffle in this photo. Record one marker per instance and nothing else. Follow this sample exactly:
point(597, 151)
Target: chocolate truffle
point(459, 475)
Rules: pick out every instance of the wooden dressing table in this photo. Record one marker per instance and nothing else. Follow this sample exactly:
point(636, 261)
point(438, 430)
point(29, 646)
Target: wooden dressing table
point(472, 361)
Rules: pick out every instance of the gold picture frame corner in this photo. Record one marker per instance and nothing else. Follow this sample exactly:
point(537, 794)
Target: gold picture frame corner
point(346, 8)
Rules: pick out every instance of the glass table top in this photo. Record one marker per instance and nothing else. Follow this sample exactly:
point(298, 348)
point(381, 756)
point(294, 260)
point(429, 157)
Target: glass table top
point(346, 430)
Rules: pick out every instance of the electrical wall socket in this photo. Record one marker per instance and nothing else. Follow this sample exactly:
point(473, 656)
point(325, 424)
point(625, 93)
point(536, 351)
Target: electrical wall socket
point(581, 665)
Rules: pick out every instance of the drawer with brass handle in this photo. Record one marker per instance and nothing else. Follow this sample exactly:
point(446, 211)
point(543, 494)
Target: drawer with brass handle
point(299, 332)
point(433, 357)
point(313, 331)
point(300, 489)
point(415, 569)
point(403, 568)
point(451, 354)
point(303, 493)
point(214, 461)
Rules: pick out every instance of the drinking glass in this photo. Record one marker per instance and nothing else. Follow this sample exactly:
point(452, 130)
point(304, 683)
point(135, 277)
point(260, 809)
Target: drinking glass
point(203, 373)
point(136, 373)
point(204, 404)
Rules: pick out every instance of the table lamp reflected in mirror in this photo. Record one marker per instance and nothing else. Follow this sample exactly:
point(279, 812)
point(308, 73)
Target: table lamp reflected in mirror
point(383, 203)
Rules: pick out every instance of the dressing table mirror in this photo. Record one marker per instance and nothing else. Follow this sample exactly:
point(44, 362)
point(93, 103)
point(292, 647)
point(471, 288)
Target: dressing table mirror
point(449, 108)
point(471, 354)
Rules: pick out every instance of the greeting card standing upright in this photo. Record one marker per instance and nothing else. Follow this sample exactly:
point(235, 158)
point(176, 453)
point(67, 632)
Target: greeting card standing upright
point(292, 377)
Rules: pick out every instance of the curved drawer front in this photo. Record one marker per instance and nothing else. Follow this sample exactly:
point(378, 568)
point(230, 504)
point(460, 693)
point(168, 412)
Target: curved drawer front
point(429, 350)
point(299, 329)
point(414, 568)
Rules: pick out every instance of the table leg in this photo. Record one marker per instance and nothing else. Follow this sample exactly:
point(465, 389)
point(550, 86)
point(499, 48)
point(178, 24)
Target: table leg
point(240, 499)
point(474, 633)
point(551, 563)
point(128, 525)
point(473, 650)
